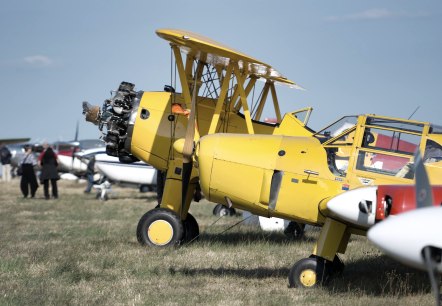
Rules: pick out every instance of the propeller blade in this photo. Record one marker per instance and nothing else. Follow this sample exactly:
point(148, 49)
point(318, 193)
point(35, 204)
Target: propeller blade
point(188, 149)
point(424, 194)
point(187, 171)
point(190, 132)
point(74, 148)
point(73, 157)
point(76, 131)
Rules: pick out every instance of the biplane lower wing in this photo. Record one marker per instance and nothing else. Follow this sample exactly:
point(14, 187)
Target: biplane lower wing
point(13, 140)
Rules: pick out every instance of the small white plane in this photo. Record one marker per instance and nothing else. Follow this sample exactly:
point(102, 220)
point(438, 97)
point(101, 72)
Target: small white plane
point(404, 221)
point(407, 236)
point(415, 237)
point(113, 171)
point(68, 154)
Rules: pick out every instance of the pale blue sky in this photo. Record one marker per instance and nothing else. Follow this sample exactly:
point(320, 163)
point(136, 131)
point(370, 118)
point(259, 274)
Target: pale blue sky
point(353, 56)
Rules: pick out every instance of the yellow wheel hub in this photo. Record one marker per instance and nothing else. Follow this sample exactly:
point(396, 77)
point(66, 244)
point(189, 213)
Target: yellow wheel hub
point(308, 278)
point(160, 232)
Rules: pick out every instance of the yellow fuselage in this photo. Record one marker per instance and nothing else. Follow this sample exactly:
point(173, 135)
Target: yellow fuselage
point(280, 171)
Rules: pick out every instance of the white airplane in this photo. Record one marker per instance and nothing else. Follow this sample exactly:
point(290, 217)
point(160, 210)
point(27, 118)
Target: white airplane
point(415, 237)
point(412, 231)
point(137, 174)
point(406, 237)
point(68, 153)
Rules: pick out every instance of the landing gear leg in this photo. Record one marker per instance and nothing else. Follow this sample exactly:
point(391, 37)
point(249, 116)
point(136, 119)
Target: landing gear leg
point(170, 224)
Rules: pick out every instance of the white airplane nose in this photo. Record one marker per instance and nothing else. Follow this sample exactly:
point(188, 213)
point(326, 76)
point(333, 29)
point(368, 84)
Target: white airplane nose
point(357, 206)
point(404, 236)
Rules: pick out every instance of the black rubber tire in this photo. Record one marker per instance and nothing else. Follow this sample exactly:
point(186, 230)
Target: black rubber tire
point(216, 209)
point(294, 230)
point(160, 214)
point(302, 272)
point(145, 188)
point(191, 229)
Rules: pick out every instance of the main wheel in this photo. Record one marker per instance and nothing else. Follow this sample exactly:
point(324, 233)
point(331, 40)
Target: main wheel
point(191, 229)
point(220, 210)
point(294, 230)
point(308, 273)
point(102, 196)
point(145, 188)
point(160, 227)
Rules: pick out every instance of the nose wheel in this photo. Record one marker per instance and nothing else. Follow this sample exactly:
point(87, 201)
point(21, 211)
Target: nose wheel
point(313, 271)
point(307, 273)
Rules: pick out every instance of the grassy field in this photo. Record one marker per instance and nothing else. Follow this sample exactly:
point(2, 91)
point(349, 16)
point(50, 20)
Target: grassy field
point(79, 251)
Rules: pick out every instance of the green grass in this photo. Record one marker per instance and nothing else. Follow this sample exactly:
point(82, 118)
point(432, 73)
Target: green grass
point(79, 251)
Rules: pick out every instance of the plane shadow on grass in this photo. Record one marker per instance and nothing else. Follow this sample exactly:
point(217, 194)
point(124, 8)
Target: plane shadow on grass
point(258, 273)
point(239, 238)
point(114, 196)
point(379, 276)
point(376, 276)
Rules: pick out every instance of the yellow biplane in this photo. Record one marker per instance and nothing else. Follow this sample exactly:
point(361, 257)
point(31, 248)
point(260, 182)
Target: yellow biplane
point(211, 134)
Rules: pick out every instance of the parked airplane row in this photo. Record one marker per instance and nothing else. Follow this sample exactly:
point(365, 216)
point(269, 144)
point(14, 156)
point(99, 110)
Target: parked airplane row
point(211, 135)
point(74, 156)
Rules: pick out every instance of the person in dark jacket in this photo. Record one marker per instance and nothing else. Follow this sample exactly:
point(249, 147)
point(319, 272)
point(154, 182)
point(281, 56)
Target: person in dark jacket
point(5, 156)
point(28, 178)
point(49, 172)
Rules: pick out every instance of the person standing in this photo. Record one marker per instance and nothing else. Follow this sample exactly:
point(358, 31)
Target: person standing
point(5, 155)
point(90, 174)
point(28, 178)
point(49, 172)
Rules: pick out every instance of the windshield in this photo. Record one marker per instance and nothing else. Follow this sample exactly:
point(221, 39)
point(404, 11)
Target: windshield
point(435, 129)
point(338, 127)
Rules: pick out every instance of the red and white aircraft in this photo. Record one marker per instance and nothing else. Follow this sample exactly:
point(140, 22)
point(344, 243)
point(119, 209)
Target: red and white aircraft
point(412, 230)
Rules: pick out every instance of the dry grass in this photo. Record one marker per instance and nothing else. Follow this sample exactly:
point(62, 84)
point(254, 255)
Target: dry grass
point(78, 250)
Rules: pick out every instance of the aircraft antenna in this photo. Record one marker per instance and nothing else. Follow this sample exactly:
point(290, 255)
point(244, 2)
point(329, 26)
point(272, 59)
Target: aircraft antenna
point(414, 112)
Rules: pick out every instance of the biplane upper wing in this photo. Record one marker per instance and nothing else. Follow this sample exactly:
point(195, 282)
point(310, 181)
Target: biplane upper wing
point(219, 55)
